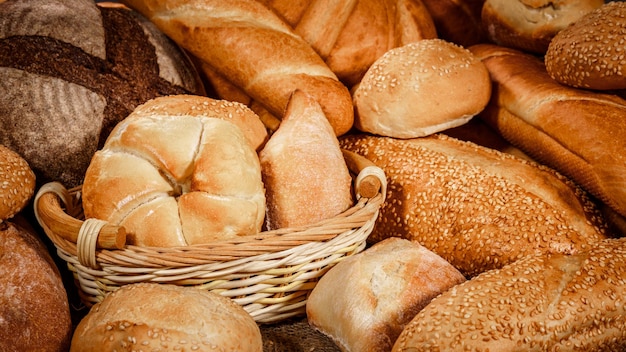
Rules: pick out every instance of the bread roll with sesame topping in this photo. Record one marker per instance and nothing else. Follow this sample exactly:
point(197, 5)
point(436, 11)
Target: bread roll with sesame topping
point(179, 171)
point(552, 302)
point(478, 208)
point(17, 183)
point(591, 52)
point(419, 89)
point(161, 317)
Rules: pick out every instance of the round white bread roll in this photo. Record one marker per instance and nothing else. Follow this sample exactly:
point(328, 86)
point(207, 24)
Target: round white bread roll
point(531, 25)
point(149, 317)
point(177, 176)
point(421, 88)
point(364, 302)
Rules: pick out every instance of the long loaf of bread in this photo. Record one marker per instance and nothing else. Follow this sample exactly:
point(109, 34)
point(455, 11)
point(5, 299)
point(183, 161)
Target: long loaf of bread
point(251, 47)
point(476, 207)
point(580, 133)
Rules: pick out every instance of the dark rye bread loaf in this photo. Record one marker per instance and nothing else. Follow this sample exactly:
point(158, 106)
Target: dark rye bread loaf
point(70, 71)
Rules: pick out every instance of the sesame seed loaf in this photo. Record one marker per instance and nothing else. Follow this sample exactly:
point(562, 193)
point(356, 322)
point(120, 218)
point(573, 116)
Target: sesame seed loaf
point(70, 71)
point(478, 208)
point(551, 302)
point(590, 52)
point(578, 132)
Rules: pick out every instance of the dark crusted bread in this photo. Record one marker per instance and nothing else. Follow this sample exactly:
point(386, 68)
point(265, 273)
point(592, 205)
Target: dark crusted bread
point(70, 72)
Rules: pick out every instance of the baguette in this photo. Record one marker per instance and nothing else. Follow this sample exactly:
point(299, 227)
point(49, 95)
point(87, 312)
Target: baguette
point(253, 49)
point(579, 133)
point(476, 207)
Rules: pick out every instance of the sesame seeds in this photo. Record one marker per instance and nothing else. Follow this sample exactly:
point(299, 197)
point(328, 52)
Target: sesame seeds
point(448, 202)
point(17, 183)
point(590, 52)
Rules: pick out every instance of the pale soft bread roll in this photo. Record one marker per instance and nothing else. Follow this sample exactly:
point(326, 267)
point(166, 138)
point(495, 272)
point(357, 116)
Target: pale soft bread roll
point(252, 48)
point(590, 52)
point(364, 302)
point(175, 176)
point(478, 208)
point(351, 34)
point(149, 316)
point(305, 175)
point(530, 25)
point(552, 302)
point(578, 132)
point(421, 88)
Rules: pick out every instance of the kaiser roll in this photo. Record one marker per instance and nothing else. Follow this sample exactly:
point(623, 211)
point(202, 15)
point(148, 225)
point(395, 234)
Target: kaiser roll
point(175, 176)
point(421, 88)
point(161, 317)
point(70, 71)
point(590, 52)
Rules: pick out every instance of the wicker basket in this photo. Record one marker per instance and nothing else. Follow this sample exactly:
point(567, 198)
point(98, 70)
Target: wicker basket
point(270, 274)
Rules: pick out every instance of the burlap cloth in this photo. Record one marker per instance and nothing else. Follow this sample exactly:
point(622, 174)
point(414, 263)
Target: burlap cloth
point(295, 335)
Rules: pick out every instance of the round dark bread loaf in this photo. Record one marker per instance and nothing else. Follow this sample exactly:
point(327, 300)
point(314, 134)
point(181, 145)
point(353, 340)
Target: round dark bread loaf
point(70, 72)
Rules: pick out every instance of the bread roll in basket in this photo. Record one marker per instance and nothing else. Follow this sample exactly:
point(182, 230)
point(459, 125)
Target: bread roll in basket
point(270, 273)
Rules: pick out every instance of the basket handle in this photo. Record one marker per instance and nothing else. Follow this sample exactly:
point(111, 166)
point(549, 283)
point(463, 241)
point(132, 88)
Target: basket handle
point(370, 179)
point(52, 217)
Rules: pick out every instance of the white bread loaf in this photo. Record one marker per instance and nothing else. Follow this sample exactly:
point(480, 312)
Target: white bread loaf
point(253, 49)
point(364, 302)
point(149, 316)
point(421, 88)
point(178, 176)
point(553, 302)
point(590, 52)
point(305, 175)
point(476, 207)
point(578, 132)
point(530, 25)
point(70, 71)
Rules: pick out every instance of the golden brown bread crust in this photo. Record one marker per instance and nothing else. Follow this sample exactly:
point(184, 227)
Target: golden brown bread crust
point(351, 34)
point(149, 316)
point(364, 302)
point(530, 25)
point(457, 21)
point(176, 176)
point(590, 52)
point(577, 132)
point(18, 183)
point(252, 48)
point(421, 88)
point(477, 208)
point(550, 302)
point(34, 308)
point(305, 175)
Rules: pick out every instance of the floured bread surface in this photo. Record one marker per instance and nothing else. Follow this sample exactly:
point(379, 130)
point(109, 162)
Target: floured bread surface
point(306, 177)
point(176, 179)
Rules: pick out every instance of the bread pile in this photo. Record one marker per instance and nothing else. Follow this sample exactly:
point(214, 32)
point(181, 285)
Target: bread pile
point(505, 167)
